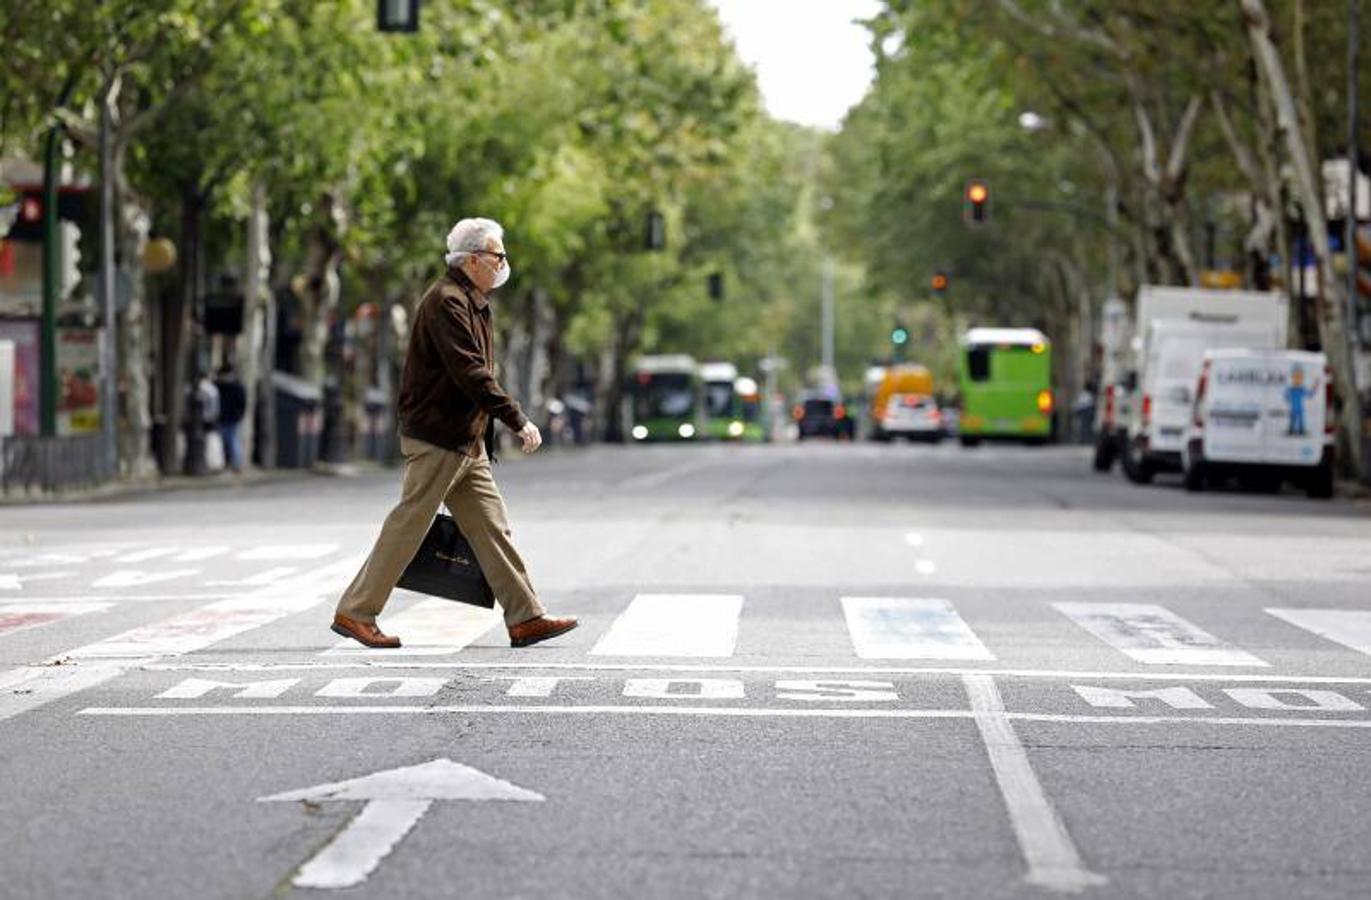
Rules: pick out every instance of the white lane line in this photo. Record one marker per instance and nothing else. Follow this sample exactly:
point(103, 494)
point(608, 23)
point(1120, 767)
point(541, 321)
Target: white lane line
point(21, 616)
point(29, 687)
point(914, 539)
point(1154, 635)
point(1059, 674)
point(1051, 855)
point(145, 555)
point(733, 712)
point(137, 577)
point(199, 554)
point(120, 598)
point(674, 625)
point(925, 566)
point(267, 576)
point(1349, 627)
point(910, 628)
point(288, 551)
point(428, 628)
point(12, 581)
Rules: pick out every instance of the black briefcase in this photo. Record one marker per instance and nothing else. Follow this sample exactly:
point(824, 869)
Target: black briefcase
point(446, 567)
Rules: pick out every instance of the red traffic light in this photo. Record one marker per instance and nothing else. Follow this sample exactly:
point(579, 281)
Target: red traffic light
point(939, 282)
point(977, 192)
point(31, 210)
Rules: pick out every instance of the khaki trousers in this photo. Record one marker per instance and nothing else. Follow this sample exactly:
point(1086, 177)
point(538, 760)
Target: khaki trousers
point(436, 476)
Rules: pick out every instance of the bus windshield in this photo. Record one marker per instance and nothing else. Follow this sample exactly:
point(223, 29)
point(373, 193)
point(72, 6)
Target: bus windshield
point(665, 395)
point(719, 398)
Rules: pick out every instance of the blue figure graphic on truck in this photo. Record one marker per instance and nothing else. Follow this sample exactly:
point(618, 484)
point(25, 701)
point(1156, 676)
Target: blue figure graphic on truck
point(1295, 394)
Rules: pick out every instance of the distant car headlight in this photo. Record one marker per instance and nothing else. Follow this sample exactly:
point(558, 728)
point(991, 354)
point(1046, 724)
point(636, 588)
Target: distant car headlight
point(686, 430)
point(735, 429)
point(640, 432)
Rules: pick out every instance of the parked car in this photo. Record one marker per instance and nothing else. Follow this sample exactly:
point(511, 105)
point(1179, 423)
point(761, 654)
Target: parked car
point(1262, 416)
point(915, 417)
point(820, 415)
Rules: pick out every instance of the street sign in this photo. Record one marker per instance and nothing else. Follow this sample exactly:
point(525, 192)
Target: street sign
point(396, 799)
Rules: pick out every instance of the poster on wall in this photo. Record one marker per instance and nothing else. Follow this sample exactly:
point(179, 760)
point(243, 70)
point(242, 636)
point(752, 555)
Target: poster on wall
point(78, 381)
point(24, 333)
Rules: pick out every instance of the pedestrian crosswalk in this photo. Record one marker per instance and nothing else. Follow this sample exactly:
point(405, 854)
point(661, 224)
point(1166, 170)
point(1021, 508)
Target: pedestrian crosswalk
point(708, 626)
point(1155, 635)
point(679, 625)
point(129, 567)
point(910, 628)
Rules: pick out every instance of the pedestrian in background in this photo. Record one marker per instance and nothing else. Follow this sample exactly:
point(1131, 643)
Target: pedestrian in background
point(447, 407)
point(233, 406)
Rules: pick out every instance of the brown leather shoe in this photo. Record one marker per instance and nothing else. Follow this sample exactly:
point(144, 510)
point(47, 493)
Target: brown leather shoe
point(364, 633)
point(539, 629)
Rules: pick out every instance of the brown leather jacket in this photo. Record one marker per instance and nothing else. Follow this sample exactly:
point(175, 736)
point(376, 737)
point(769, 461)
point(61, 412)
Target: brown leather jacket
point(448, 392)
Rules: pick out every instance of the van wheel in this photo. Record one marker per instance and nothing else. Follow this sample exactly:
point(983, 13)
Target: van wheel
point(1320, 484)
point(1105, 452)
point(1195, 478)
point(1136, 469)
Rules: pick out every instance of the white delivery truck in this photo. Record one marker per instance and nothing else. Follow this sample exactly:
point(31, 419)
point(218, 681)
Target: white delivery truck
point(1173, 329)
point(1111, 409)
point(1262, 416)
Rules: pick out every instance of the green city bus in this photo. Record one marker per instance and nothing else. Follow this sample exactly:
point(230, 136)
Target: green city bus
point(732, 404)
point(666, 401)
point(1005, 379)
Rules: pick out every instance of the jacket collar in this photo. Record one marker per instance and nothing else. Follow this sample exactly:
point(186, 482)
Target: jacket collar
point(462, 280)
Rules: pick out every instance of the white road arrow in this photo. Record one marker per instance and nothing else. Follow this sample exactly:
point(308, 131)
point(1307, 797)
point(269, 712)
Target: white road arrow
point(396, 799)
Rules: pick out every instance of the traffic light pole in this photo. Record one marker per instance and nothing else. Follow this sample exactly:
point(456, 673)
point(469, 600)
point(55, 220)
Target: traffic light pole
point(109, 404)
point(827, 321)
point(52, 273)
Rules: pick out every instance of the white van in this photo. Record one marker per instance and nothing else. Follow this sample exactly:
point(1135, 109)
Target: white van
point(1170, 368)
point(1262, 416)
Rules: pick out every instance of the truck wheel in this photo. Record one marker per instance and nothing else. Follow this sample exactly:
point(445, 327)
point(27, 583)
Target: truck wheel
point(1137, 469)
point(1320, 484)
point(1195, 477)
point(1105, 452)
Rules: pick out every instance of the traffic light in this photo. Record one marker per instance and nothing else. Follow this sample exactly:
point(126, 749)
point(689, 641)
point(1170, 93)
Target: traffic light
point(397, 16)
point(939, 283)
point(655, 236)
point(716, 285)
point(976, 210)
point(899, 336)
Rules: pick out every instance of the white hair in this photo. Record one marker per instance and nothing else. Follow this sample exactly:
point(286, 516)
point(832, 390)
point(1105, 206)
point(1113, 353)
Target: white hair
point(468, 235)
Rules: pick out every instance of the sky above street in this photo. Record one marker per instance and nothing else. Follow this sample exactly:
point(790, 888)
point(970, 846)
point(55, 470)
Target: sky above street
point(811, 58)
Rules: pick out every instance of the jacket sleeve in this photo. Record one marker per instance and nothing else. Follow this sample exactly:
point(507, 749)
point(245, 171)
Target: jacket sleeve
point(460, 351)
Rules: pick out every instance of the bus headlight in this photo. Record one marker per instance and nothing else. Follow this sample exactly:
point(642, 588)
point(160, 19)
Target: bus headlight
point(640, 432)
point(735, 429)
point(686, 430)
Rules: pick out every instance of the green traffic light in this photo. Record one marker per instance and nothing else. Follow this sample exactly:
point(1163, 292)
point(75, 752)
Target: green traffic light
point(899, 335)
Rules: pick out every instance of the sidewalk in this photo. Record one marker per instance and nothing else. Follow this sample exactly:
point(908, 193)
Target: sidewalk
point(119, 490)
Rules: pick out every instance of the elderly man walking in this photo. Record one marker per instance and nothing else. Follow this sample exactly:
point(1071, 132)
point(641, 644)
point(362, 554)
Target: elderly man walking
point(449, 401)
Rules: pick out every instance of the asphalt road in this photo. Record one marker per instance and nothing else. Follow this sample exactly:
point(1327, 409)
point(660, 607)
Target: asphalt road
point(803, 671)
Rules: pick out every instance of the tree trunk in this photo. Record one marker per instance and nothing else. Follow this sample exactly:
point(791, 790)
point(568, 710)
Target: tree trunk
point(1332, 327)
point(131, 236)
point(254, 363)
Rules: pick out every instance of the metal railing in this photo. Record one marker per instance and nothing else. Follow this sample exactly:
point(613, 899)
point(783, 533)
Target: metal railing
point(52, 464)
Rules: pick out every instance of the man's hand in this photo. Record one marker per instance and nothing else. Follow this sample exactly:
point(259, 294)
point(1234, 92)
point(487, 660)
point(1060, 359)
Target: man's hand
point(531, 436)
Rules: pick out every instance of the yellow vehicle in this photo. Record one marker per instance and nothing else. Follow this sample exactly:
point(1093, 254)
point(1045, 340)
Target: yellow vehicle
point(900, 382)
